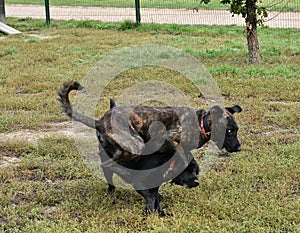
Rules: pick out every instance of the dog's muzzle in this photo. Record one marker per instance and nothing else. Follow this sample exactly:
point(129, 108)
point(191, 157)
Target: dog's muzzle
point(192, 184)
point(234, 149)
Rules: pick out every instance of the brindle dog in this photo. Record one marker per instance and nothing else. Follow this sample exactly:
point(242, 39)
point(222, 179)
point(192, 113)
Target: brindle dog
point(145, 137)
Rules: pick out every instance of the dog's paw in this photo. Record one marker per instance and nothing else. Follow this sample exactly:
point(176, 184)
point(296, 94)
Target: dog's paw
point(160, 213)
point(111, 190)
point(165, 214)
point(147, 212)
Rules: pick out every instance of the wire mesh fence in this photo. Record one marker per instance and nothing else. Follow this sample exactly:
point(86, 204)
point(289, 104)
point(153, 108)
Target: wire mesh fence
point(283, 13)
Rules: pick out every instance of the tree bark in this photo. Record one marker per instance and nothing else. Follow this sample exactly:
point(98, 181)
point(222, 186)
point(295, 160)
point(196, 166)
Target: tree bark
point(251, 30)
point(2, 11)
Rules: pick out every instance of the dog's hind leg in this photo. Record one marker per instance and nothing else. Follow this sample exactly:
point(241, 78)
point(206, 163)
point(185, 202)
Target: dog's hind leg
point(108, 173)
point(109, 179)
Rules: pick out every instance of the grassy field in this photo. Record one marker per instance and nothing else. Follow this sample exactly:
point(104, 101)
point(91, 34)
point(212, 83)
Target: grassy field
point(287, 5)
point(46, 187)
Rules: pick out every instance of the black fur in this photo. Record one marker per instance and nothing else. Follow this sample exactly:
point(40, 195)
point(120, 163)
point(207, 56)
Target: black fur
point(179, 131)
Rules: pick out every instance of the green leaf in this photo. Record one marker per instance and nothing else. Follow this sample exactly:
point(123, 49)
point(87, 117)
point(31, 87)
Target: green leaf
point(205, 1)
point(225, 1)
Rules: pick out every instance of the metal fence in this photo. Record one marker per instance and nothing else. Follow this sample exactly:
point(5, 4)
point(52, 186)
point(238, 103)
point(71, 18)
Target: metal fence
point(187, 12)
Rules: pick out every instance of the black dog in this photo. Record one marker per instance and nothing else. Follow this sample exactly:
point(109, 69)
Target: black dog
point(148, 137)
point(187, 178)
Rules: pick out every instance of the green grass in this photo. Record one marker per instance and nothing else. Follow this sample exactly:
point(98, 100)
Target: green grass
point(287, 5)
point(50, 189)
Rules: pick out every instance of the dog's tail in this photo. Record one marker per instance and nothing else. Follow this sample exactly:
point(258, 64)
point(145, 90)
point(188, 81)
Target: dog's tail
point(67, 107)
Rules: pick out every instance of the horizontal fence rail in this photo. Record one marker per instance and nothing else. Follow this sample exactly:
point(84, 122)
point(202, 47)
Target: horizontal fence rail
point(188, 15)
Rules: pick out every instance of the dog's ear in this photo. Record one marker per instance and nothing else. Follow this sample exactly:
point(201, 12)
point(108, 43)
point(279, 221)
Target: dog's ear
point(216, 112)
point(73, 85)
point(234, 109)
point(112, 103)
point(218, 124)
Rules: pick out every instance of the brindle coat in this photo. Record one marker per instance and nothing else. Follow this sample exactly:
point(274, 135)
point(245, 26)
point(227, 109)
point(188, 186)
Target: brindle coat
point(127, 133)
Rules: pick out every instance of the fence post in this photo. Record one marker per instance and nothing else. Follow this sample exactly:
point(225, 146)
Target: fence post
point(137, 12)
point(47, 12)
point(2, 12)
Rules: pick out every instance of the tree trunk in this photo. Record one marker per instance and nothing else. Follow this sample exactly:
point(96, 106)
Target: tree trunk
point(2, 11)
point(251, 30)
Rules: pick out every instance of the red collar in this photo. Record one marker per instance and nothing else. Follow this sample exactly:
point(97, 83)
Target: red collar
point(172, 164)
point(203, 129)
point(171, 168)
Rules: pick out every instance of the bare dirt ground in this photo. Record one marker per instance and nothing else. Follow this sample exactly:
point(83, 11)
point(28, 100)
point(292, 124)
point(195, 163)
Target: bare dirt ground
point(32, 136)
point(150, 15)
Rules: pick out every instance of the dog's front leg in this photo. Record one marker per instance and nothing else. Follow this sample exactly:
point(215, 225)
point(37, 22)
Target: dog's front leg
point(158, 199)
point(150, 200)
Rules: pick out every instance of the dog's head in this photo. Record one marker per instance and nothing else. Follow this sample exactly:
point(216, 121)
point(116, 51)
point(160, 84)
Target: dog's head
point(188, 178)
point(224, 127)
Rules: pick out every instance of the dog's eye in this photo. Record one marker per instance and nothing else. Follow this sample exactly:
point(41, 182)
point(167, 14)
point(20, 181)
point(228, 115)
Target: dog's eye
point(229, 131)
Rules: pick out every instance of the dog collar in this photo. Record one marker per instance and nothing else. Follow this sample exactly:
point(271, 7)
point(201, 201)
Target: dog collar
point(205, 134)
point(172, 164)
point(171, 168)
